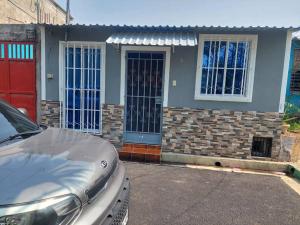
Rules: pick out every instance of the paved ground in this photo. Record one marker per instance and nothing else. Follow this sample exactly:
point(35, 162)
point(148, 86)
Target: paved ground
point(183, 196)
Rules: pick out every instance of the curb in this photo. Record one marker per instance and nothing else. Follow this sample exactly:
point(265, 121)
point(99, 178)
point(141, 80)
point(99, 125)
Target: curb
point(226, 162)
point(294, 171)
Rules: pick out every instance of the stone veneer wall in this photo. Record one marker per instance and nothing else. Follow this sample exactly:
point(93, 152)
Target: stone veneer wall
point(112, 124)
point(218, 132)
point(50, 113)
point(112, 120)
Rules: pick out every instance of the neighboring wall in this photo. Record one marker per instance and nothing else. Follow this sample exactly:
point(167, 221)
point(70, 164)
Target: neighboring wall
point(24, 11)
point(24, 33)
point(18, 32)
point(267, 81)
point(291, 145)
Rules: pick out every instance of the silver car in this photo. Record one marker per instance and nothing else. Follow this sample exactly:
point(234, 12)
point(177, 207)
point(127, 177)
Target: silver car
point(54, 176)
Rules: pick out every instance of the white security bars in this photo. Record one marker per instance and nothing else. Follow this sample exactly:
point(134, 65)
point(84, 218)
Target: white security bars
point(225, 69)
point(83, 86)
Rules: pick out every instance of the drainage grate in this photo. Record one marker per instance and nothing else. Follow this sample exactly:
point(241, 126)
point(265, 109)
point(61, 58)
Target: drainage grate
point(262, 146)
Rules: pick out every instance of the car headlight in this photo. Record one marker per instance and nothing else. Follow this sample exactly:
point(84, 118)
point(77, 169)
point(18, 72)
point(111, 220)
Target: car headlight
point(54, 211)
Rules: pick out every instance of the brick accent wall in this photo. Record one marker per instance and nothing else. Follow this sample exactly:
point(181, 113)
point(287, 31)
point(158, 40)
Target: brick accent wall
point(50, 113)
point(218, 132)
point(112, 124)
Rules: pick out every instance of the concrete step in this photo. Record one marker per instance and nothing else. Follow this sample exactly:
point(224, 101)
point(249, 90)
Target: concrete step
point(140, 152)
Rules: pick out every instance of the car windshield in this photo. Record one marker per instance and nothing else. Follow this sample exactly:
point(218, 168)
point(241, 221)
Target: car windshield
point(13, 122)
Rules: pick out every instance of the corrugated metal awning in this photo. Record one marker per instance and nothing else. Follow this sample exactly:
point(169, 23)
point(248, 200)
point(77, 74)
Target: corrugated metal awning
point(154, 38)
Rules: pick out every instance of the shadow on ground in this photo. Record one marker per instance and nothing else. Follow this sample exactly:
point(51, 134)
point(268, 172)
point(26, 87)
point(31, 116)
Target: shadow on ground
point(174, 195)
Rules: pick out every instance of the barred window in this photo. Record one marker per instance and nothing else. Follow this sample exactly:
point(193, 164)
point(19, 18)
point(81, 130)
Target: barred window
point(225, 67)
point(295, 76)
point(82, 86)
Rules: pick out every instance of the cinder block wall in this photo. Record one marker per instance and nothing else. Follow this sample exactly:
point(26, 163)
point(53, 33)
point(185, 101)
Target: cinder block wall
point(19, 12)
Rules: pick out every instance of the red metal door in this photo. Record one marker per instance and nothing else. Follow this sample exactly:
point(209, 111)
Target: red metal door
point(18, 76)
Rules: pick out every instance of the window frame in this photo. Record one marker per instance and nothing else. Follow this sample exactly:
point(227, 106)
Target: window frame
point(250, 73)
point(62, 46)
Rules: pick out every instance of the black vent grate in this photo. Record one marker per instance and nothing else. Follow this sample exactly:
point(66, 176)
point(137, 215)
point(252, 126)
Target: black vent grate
point(261, 146)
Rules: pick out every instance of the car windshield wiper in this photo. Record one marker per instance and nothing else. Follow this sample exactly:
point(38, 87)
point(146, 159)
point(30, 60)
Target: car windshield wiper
point(12, 137)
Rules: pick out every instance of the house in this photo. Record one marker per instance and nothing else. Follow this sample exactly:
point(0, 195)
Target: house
point(293, 88)
point(31, 11)
point(197, 84)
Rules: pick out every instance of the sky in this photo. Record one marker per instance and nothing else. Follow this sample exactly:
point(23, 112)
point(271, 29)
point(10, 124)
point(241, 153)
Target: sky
point(186, 12)
point(110, 11)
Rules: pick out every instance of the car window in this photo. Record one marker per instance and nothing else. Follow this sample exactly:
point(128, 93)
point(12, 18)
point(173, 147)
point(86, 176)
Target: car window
point(13, 122)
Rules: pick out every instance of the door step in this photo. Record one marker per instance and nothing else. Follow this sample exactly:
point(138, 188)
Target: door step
point(140, 153)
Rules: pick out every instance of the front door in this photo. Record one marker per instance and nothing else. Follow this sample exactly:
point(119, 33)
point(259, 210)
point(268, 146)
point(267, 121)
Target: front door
point(143, 112)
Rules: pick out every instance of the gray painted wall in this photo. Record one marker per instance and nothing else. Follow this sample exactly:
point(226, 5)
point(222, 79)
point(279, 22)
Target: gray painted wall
point(113, 61)
point(267, 82)
point(52, 62)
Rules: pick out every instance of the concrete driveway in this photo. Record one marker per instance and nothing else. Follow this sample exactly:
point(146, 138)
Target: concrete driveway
point(175, 195)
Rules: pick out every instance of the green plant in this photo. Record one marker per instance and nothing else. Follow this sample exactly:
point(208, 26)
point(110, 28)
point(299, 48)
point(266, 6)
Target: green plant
point(292, 116)
point(290, 110)
point(294, 127)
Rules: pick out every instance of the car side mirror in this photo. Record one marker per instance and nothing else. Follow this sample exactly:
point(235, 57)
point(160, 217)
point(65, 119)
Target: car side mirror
point(24, 111)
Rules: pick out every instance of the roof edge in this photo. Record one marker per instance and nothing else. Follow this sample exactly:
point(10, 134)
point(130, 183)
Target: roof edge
point(173, 27)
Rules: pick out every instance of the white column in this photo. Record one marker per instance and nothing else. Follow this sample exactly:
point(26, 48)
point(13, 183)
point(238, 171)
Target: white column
point(43, 66)
point(285, 70)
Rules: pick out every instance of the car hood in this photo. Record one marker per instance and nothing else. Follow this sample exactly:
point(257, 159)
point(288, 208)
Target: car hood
point(52, 163)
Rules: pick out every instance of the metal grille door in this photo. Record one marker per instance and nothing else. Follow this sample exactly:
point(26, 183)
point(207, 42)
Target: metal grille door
point(82, 76)
point(144, 97)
